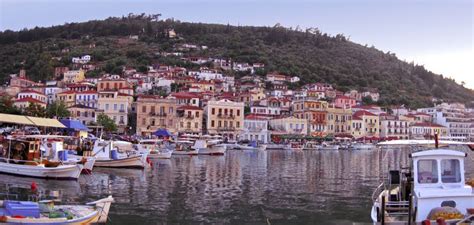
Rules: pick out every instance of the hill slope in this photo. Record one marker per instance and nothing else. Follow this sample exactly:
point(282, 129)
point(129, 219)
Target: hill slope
point(310, 54)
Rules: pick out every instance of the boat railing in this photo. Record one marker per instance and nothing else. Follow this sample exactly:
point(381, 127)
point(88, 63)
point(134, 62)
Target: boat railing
point(377, 191)
point(8, 196)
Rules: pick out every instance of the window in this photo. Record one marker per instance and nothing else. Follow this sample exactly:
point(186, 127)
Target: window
point(106, 106)
point(144, 109)
point(237, 124)
point(450, 171)
point(213, 111)
point(212, 123)
point(238, 112)
point(170, 110)
point(427, 171)
point(115, 106)
point(196, 125)
point(197, 114)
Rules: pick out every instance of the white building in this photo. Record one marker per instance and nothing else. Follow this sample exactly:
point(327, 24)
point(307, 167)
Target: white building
point(393, 127)
point(265, 110)
point(87, 98)
point(50, 92)
point(32, 94)
point(255, 129)
point(294, 79)
point(81, 60)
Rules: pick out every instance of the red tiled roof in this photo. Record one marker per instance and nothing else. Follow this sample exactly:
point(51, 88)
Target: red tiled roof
point(363, 113)
point(254, 117)
point(31, 100)
point(184, 95)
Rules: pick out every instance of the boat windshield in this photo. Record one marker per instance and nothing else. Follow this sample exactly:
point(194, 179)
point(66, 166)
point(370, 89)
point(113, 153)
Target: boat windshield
point(427, 171)
point(450, 171)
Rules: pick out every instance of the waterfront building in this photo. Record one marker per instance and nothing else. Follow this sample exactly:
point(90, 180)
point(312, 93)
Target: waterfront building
point(338, 121)
point(23, 103)
point(343, 101)
point(255, 129)
point(87, 98)
point(315, 112)
point(189, 119)
point(288, 125)
point(427, 131)
point(32, 94)
point(394, 127)
point(154, 113)
point(113, 83)
point(365, 125)
point(116, 106)
point(225, 117)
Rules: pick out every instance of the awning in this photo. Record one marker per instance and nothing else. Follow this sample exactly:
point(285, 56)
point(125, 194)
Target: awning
point(74, 124)
point(16, 119)
point(45, 122)
point(162, 133)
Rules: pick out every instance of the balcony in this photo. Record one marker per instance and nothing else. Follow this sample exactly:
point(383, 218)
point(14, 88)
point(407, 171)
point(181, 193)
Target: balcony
point(158, 114)
point(121, 110)
point(371, 124)
point(225, 116)
point(189, 117)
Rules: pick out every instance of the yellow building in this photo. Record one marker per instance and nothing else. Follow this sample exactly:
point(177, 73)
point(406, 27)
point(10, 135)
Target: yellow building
point(427, 130)
point(74, 76)
point(67, 97)
point(116, 106)
point(339, 121)
point(225, 118)
point(365, 124)
point(154, 112)
point(190, 119)
point(315, 112)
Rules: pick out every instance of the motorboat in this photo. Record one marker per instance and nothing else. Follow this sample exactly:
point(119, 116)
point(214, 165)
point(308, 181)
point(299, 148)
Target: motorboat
point(108, 155)
point(156, 148)
point(295, 146)
point(210, 147)
point(185, 147)
point(53, 150)
point(47, 212)
point(362, 146)
point(432, 188)
point(328, 146)
point(22, 156)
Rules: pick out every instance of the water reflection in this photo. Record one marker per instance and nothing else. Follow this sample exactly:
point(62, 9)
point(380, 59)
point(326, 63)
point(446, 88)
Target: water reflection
point(242, 187)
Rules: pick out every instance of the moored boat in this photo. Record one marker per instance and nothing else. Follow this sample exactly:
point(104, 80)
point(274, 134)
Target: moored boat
point(108, 156)
point(210, 147)
point(155, 148)
point(295, 146)
point(46, 212)
point(327, 146)
point(184, 147)
point(273, 146)
point(362, 146)
point(431, 189)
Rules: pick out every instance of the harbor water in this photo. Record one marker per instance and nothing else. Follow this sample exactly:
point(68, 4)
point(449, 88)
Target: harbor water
point(241, 187)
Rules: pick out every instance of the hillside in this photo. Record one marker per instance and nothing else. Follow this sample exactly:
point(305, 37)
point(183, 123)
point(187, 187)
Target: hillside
point(310, 54)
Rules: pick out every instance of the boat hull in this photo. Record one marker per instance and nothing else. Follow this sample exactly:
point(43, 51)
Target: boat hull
point(214, 150)
point(191, 152)
point(138, 162)
point(161, 155)
point(65, 172)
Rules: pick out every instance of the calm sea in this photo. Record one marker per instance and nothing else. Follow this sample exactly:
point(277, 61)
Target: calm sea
point(242, 187)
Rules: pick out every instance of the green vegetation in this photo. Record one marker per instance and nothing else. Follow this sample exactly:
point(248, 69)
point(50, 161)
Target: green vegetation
point(105, 121)
point(310, 54)
point(57, 110)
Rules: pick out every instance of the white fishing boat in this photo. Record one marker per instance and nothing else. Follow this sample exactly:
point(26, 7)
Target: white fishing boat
point(328, 146)
point(362, 146)
point(47, 212)
point(210, 147)
point(184, 147)
point(53, 150)
point(109, 156)
point(22, 156)
point(155, 148)
point(433, 188)
point(295, 146)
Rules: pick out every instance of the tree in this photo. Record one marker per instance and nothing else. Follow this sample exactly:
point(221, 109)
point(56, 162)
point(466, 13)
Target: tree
point(367, 100)
point(57, 109)
point(36, 110)
point(6, 106)
point(108, 123)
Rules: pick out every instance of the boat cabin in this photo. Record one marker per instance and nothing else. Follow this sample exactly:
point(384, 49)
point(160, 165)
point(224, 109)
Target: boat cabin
point(438, 179)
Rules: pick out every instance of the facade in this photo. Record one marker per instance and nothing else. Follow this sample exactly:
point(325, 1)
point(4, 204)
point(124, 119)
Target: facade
point(85, 114)
point(394, 127)
point(189, 119)
point(255, 129)
point(225, 117)
point(87, 98)
point(67, 97)
point(115, 106)
point(27, 101)
point(344, 101)
point(338, 121)
point(315, 112)
point(427, 131)
point(289, 125)
point(32, 94)
point(154, 113)
point(74, 76)
point(365, 125)
point(109, 84)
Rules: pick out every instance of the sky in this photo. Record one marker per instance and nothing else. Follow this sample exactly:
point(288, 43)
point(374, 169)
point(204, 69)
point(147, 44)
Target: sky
point(434, 33)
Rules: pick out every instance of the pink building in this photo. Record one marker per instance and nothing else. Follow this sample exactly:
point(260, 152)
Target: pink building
point(344, 101)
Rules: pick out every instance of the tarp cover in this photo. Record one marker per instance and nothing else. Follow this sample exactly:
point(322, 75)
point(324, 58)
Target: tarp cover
point(74, 124)
point(45, 122)
point(15, 119)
